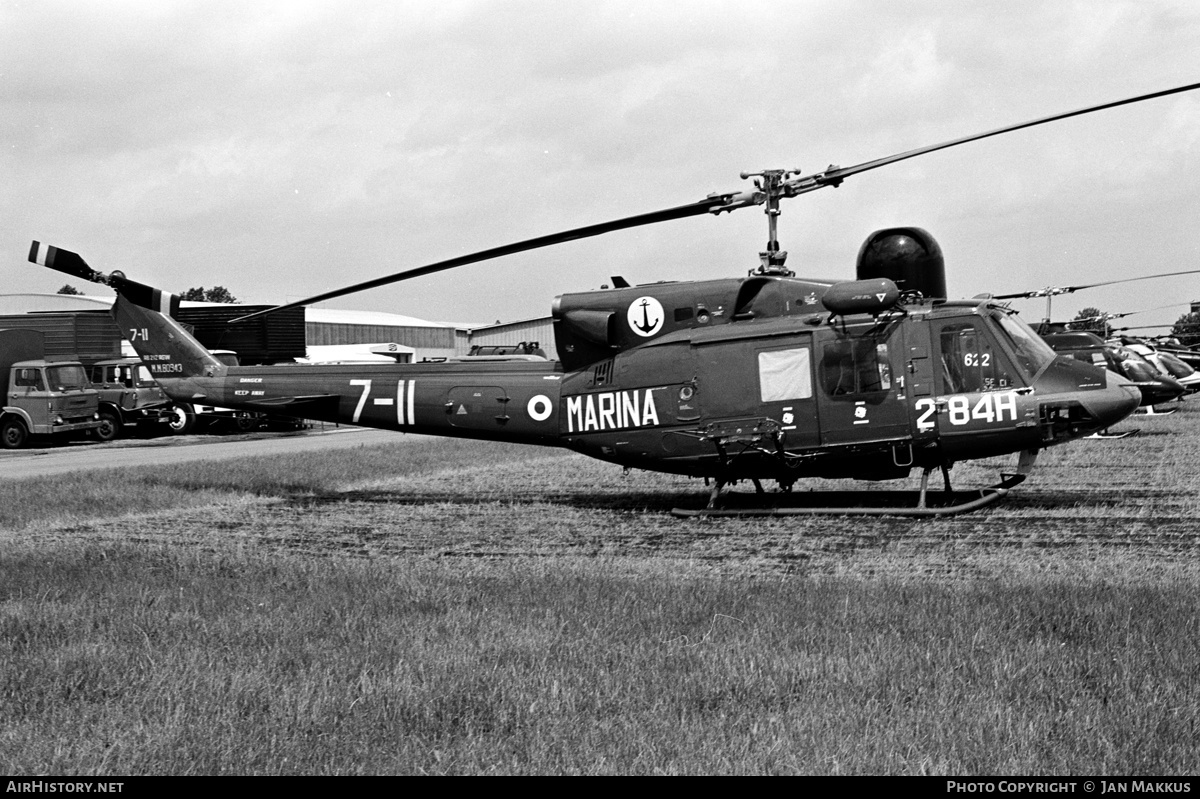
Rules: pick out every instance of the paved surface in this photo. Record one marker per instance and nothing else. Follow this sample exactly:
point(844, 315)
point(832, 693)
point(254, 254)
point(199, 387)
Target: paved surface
point(50, 459)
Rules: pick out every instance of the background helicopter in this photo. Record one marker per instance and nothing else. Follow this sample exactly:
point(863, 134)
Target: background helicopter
point(1166, 350)
point(1165, 353)
point(1160, 381)
point(764, 377)
point(1156, 387)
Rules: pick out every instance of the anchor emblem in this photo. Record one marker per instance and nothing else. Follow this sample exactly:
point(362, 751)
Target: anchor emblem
point(645, 316)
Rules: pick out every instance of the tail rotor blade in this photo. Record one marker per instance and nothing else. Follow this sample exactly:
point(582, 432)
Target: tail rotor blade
point(64, 261)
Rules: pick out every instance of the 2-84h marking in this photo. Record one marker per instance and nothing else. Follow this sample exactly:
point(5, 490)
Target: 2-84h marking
point(990, 408)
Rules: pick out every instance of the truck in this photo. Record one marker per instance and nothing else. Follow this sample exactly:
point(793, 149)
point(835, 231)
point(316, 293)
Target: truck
point(129, 398)
point(42, 396)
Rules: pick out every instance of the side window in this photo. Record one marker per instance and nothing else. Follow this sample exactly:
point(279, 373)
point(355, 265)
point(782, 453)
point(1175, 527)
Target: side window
point(970, 362)
point(30, 378)
point(855, 366)
point(785, 375)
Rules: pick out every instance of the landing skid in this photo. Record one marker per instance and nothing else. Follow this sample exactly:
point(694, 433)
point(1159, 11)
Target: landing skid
point(1150, 411)
point(1104, 435)
point(856, 503)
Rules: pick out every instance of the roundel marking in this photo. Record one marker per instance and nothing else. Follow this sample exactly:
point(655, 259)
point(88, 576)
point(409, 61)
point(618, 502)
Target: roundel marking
point(539, 408)
point(645, 316)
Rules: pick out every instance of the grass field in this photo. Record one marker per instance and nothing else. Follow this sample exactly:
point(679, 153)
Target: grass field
point(474, 608)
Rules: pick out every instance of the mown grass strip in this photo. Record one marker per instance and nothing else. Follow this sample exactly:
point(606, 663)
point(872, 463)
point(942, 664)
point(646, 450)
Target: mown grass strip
point(127, 660)
point(107, 493)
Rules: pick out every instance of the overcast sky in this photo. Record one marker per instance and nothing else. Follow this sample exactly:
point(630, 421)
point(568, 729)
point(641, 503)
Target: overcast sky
point(283, 149)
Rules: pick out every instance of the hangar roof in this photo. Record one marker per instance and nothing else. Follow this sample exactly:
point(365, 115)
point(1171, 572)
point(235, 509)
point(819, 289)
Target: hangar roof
point(26, 303)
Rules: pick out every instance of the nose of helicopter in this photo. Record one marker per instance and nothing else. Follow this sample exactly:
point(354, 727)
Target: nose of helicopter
point(1119, 398)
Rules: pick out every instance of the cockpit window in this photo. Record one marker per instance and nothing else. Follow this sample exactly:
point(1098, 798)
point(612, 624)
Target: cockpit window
point(970, 362)
point(1030, 351)
point(1176, 367)
point(1133, 365)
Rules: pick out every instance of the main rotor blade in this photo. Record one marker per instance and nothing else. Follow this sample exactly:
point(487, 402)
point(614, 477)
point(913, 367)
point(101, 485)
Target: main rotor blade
point(1054, 291)
point(715, 204)
point(679, 212)
point(836, 175)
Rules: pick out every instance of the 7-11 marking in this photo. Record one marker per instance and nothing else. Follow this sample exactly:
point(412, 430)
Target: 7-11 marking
point(406, 391)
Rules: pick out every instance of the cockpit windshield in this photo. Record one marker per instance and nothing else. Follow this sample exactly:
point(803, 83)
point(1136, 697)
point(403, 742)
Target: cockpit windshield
point(1028, 349)
point(1176, 367)
point(1134, 365)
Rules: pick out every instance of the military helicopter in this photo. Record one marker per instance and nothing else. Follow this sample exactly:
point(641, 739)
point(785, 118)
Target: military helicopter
point(1155, 386)
point(763, 377)
point(1163, 352)
point(1158, 381)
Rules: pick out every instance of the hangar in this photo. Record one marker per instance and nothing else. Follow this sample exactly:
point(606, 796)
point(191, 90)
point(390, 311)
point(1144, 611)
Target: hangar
point(328, 333)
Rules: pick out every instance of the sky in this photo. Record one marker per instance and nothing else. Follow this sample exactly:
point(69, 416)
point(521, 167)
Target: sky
point(282, 149)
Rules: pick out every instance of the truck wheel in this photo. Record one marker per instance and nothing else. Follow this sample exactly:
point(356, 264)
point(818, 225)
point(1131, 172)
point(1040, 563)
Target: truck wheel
point(183, 418)
point(110, 427)
point(13, 434)
point(245, 422)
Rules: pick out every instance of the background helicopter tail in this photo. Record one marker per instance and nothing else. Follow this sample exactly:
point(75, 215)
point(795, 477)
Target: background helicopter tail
point(144, 316)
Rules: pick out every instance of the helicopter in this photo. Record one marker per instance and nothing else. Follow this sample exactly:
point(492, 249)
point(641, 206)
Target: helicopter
point(756, 378)
point(1155, 386)
point(1160, 378)
point(1166, 362)
point(1165, 350)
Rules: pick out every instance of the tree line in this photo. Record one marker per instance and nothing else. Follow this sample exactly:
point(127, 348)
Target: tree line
point(194, 294)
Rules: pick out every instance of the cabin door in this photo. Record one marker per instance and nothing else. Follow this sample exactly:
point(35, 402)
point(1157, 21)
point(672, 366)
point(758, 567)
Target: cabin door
point(861, 396)
point(755, 379)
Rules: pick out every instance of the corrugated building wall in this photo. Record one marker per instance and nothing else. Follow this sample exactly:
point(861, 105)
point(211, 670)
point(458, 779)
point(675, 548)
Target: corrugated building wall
point(429, 342)
point(267, 339)
point(86, 335)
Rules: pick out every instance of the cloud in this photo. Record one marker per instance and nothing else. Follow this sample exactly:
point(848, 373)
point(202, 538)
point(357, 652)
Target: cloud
point(270, 146)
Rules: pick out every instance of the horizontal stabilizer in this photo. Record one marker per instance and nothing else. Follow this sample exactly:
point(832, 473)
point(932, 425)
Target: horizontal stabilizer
point(290, 402)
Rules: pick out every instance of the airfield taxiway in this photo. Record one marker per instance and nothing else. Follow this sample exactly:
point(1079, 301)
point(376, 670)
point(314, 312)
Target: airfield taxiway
point(76, 456)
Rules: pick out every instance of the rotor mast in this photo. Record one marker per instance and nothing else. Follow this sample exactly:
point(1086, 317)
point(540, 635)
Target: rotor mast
point(770, 186)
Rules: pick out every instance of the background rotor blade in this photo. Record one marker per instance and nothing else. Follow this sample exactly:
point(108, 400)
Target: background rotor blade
point(1107, 316)
point(1054, 291)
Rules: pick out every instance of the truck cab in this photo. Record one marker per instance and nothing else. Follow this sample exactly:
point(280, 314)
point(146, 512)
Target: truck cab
point(128, 396)
point(42, 397)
